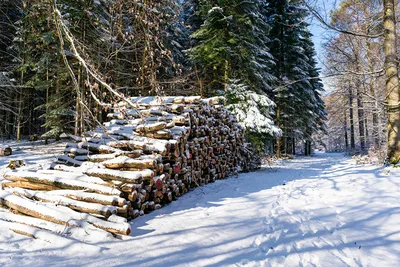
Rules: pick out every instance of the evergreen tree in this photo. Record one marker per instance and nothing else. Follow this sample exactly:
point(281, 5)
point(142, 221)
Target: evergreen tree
point(232, 58)
point(315, 121)
point(296, 92)
point(41, 72)
point(9, 90)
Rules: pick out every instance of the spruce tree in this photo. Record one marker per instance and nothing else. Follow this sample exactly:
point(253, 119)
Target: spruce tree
point(232, 58)
point(296, 91)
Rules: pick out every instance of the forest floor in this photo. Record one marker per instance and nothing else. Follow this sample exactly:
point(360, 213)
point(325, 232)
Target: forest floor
point(317, 211)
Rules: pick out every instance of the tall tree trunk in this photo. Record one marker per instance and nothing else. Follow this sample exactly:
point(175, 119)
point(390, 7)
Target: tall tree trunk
point(305, 148)
point(279, 70)
point(19, 118)
point(82, 98)
point(360, 104)
point(352, 139)
point(360, 113)
point(279, 139)
point(294, 146)
point(226, 75)
point(371, 64)
point(392, 82)
point(285, 145)
point(346, 137)
point(47, 94)
point(367, 142)
point(76, 128)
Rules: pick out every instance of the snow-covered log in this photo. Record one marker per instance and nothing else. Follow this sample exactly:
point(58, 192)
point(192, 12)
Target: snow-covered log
point(125, 162)
point(5, 150)
point(68, 161)
point(60, 182)
point(123, 176)
point(91, 197)
point(29, 185)
point(93, 208)
point(34, 209)
point(108, 226)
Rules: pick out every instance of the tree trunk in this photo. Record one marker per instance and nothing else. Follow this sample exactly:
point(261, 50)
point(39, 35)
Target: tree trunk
point(346, 137)
point(375, 119)
point(392, 82)
point(285, 145)
point(360, 104)
point(360, 113)
point(307, 148)
point(279, 139)
point(294, 146)
point(19, 118)
point(352, 140)
point(76, 129)
point(367, 142)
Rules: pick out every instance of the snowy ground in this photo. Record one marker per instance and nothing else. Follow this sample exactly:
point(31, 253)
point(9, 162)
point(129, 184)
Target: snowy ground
point(35, 154)
point(319, 211)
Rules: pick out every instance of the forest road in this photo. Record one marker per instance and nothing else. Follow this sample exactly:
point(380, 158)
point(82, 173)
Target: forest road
point(311, 211)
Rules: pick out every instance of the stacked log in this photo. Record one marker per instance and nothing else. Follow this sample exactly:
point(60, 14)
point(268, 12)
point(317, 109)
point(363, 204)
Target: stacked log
point(142, 158)
point(5, 150)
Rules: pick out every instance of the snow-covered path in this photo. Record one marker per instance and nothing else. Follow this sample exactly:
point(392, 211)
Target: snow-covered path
point(319, 211)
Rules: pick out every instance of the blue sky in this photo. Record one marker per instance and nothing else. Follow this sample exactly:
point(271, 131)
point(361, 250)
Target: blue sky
point(323, 7)
point(319, 32)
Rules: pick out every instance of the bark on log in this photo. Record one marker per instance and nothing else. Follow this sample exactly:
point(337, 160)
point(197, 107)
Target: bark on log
point(125, 162)
point(68, 161)
point(34, 209)
point(60, 182)
point(115, 228)
point(91, 197)
point(93, 147)
point(151, 127)
point(81, 206)
point(76, 176)
point(143, 143)
point(123, 176)
point(34, 222)
point(94, 208)
point(29, 185)
point(76, 151)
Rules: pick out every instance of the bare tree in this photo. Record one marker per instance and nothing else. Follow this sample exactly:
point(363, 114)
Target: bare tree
point(392, 81)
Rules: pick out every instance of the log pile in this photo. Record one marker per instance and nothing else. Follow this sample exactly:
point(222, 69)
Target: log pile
point(141, 159)
point(5, 150)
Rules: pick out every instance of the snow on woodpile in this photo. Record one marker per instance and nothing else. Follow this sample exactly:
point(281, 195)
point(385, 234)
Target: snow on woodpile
point(142, 158)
